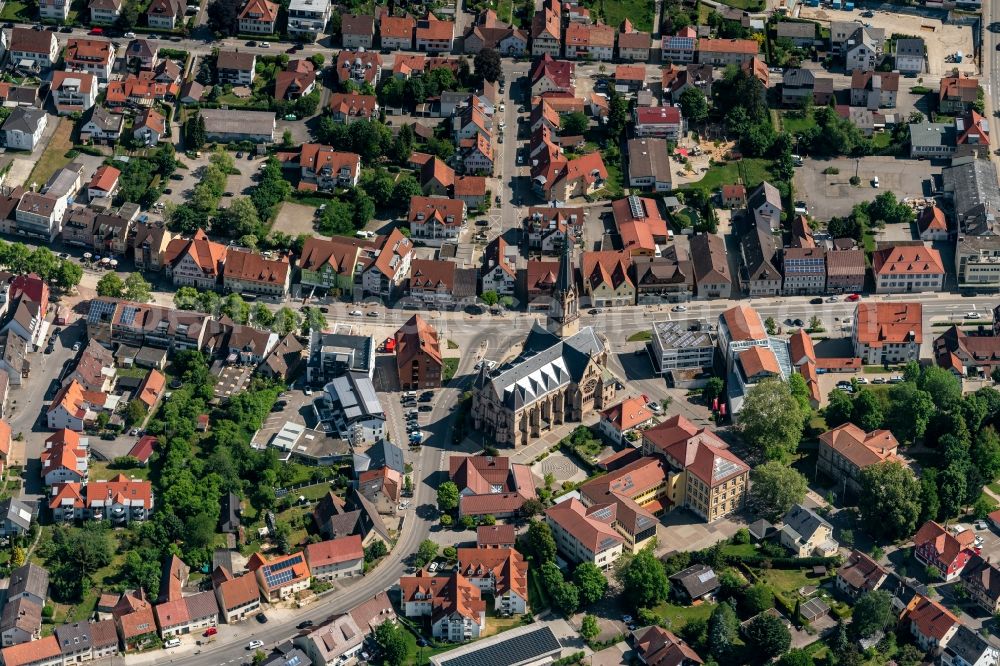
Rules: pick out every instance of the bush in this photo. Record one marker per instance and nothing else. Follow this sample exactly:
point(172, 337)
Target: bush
point(742, 536)
point(855, 180)
point(831, 171)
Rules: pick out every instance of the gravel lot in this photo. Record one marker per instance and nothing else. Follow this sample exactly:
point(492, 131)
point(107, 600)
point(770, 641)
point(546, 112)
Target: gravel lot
point(833, 195)
point(940, 39)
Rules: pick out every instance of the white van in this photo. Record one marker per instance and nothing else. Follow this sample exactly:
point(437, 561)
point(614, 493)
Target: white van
point(172, 643)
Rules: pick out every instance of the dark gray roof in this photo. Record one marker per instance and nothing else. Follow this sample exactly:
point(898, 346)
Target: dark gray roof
point(797, 78)
point(287, 654)
point(765, 193)
point(230, 520)
point(520, 649)
point(759, 250)
point(803, 521)
point(797, 29)
point(975, 194)
point(932, 134)
point(354, 396)
point(814, 608)
point(967, 644)
point(546, 364)
point(697, 580)
point(73, 637)
point(17, 512)
point(381, 454)
point(29, 579)
point(761, 528)
point(23, 118)
point(910, 47)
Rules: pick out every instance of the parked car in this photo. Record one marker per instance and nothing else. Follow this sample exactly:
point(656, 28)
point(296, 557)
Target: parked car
point(816, 301)
point(255, 644)
point(172, 643)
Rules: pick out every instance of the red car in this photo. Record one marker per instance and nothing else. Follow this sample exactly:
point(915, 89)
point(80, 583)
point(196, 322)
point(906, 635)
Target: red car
point(97, 31)
point(854, 297)
point(211, 631)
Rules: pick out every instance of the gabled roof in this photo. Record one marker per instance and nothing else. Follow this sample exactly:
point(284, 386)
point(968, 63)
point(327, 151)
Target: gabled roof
point(945, 545)
point(417, 338)
point(860, 448)
point(658, 647)
point(506, 566)
point(881, 323)
point(861, 572)
point(908, 260)
point(208, 255)
point(931, 619)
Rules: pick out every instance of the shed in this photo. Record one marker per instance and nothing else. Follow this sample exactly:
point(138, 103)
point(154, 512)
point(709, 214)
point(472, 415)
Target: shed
point(813, 609)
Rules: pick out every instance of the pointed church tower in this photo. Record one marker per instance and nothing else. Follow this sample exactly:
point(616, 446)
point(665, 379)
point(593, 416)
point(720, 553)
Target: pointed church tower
point(564, 313)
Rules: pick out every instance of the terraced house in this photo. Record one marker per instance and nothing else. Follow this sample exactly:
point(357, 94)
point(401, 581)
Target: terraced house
point(332, 265)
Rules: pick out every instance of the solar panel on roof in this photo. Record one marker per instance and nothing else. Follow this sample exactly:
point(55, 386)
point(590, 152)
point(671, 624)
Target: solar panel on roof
point(517, 650)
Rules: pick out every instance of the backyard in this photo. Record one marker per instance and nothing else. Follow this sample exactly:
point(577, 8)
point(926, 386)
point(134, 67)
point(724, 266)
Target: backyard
point(752, 171)
point(639, 12)
point(54, 157)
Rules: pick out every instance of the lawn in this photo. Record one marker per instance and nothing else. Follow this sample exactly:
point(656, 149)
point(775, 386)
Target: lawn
point(450, 367)
point(742, 549)
point(749, 5)
point(641, 336)
point(102, 471)
point(537, 598)
point(753, 172)
point(420, 656)
point(796, 122)
point(639, 12)
point(677, 616)
point(54, 156)
point(995, 487)
point(17, 11)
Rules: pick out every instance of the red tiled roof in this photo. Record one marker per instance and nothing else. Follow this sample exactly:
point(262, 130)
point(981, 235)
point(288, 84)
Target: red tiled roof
point(931, 618)
point(335, 551)
point(880, 323)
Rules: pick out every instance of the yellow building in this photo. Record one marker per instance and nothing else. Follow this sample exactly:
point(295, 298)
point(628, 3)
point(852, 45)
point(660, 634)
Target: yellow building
point(638, 492)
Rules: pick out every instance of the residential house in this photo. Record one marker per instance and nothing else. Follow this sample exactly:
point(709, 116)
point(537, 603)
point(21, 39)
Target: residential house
point(640, 225)
point(558, 179)
point(764, 203)
point(606, 279)
point(625, 417)
point(384, 276)
point(104, 12)
point(547, 227)
point(432, 35)
point(968, 648)
point(165, 14)
point(591, 42)
point(680, 47)
point(546, 31)
point(874, 90)
point(667, 278)
point(938, 547)
point(860, 575)
point(65, 458)
point(957, 94)
point(73, 92)
point(907, 268)
point(336, 558)
point(113, 321)
point(396, 33)
point(187, 615)
point(550, 75)
point(357, 31)
point(290, 85)
point(280, 577)
point(23, 128)
point(694, 583)
point(500, 572)
point(967, 354)
point(931, 624)
point(454, 604)
point(150, 244)
point(441, 283)
point(327, 169)
point(633, 45)
point(342, 638)
point(499, 273)
point(33, 50)
point(863, 49)
point(15, 519)
point(657, 646)
point(471, 190)
point(238, 596)
point(800, 33)
point(251, 273)
point(488, 33)
point(92, 56)
point(972, 129)
point(478, 477)
point(435, 220)
point(910, 55)
point(331, 265)
point(102, 125)
point(383, 487)
point(759, 275)
point(804, 270)
point(887, 332)
point(235, 68)
point(133, 615)
point(723, 52)
point(349, 107)
point(104, 183)
point(805, 533)
point(307, 19)
point(195, 262)
point(932, 224)
point(665, 122)
point(847, 450)
point(585, 534)
point(713, 278)
point(797, 86)
point(149, 126)
point(845, 270)
point(258, 17)
point(143, 53)
point(982, 580)
point(43, 652)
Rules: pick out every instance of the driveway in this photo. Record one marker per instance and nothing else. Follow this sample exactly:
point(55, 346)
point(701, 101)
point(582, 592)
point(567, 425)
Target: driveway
point(831, 194)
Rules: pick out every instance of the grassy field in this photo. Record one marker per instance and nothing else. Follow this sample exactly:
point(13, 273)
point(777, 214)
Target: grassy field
point(54, 156)
point(17, 11)
point(641, 336)
point(796, 122)
point(678, 616)
point(749, 5)
point(449, 370)
point(639, 12)
point(756, 171)
point(102, 471)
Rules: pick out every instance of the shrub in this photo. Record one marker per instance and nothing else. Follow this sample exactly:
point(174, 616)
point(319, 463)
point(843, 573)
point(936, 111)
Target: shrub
point(855, 180)
point(831, 171)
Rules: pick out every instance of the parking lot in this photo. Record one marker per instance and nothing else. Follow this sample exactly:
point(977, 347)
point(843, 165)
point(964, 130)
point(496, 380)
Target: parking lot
point(239, 185)
point(832, 195)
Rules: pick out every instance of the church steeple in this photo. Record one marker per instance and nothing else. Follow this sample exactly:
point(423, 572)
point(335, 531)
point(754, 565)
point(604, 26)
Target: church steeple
point(564, 313)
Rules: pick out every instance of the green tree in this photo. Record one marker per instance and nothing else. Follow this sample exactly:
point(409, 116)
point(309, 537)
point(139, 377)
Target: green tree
point(426, 552)
point(376, 550)
point(723, 629)
point(713, 389)
point(910, 409)
point(135, 412)
point(391, 639)
point(643, 579)
point(839, 409)
point(286, 321)
point(771, 419)
point(796, 657)
point(589, 628)
point(137, 289)
point(952, 489)
point(758, 598)
point(767, 637)
point(930, 503)
point(591, 582)
point(315, 320)
point(240, 219)
point(872, 614)
point(488, 64)
point(694, 105)
point(236, 309)
point(262, 316)
point(867, 411)
point(985, 453)
point(886, 209)
point(574, 124)
point(776, 487)
point(447, 496)
point(890, 500)
point(539, 543)
point(68, 275)
point(944, 388)
point(111, 286)
point(490, 298)
point(566, 598)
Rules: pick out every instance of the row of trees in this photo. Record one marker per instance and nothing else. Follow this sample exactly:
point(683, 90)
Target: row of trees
point(282, 321)
point(19, 259)
point(884, 209)
point(143, 178)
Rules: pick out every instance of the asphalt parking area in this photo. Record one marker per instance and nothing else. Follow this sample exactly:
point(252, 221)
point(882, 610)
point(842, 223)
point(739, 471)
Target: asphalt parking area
point(832, 195)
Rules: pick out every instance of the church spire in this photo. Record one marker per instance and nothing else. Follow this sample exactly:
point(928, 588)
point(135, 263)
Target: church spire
point(564, 313)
